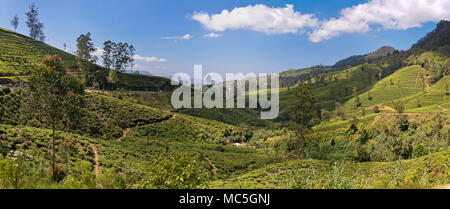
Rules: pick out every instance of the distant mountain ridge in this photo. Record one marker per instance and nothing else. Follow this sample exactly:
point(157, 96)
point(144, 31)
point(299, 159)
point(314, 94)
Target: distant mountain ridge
point(360, 59)
point(436, 39)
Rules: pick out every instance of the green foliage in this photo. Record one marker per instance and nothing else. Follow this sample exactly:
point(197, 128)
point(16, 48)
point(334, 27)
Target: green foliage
point(13, 171)
point(337, 178)
point(112, 77)
point(36, 27)
point(106, 117)
point(419, 150)
point(21, 55)
point(387, 140)
point(303, 104)
point(117, 55)
point(438, 37)
point(54, 95)
point(174, 171)
point(147, 146)
point(230, 116)
point(85, 48)
point(420, 173)
point(399, 106)
point(189, 129)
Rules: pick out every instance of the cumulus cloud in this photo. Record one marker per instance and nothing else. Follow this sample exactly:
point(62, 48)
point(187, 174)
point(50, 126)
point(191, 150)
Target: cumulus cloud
point(212, 35)
point(149, 59)
point(361, 18)
point(185, 37)
point(389, 14)
point(259, 18)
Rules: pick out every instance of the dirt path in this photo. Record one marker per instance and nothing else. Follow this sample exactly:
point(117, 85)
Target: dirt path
point(214, 168)
point(124, 134)
point(427, 83)
point(126, 131)
point(97, 164)
point(442, 108)
point(387, 108)
point(171, 117)
point(381, 107)
point(378, 117)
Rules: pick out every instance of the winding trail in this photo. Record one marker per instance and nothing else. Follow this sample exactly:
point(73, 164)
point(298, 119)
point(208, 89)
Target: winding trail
point(97, 164)
point(214, 168)
point(427, 83)
point(408, 114)
point(124, 134)
point(381, 107)
point(126, 131)
point(442, 108)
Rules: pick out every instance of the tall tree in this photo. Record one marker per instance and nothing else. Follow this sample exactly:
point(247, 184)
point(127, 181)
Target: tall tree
point(65, 47)
point(15, 22)
point(85, 48)
point(118, 56)
point(302, 112)
point(36, 27)
point(108, 49)
point(55, 95)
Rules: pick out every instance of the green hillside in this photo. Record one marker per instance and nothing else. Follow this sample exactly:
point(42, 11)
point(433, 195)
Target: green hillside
point(21, 55)
point(128, 136)
point(404, 82)
point(425, 172)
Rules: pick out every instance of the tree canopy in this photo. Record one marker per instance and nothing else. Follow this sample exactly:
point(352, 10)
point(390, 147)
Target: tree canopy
point(54, 96)
point(36, 27)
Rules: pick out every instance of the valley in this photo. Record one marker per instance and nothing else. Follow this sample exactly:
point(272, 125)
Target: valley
point(379, 121)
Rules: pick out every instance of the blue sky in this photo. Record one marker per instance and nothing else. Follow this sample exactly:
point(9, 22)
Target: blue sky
point(157, 28)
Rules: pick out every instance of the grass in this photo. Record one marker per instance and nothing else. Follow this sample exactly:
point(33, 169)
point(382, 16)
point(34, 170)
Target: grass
point(388, 90)
point(425, 172)
point(13, 79)
point(407, 77)
point(342, 124)
point(183, 128)
point(21, 54)
point(130, 128)
point(238, 117)
point(159, 100)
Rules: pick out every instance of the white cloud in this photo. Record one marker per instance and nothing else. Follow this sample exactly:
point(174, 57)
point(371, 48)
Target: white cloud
point(98, 52)
point(389, 14)
point(258, 18)
point(212, 35)
point(149, 59)
point(185, 37)
point(361, 18)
